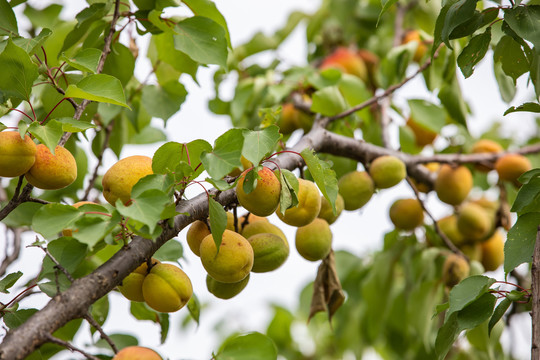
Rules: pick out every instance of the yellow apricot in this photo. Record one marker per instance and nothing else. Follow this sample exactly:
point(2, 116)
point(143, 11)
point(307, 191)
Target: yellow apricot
point(52, 172)
point(326, 212)
point(136, 353)
point(448, 225)
point(406, 214)
point(472, 251)
point(166, 288)
point(511, 166)
point(263, 200)
point(131, 286)
point(234, 260)
point(308, 207)
point(387, 171)
point(261, 227)
point(422, 135)
point(453, 184)
point(485, 146)
point(198, 230)
point(314, 241)
point(356, 187)
point(455, 269)
point(122, 176)
point(421, 49)
point(493, 252)
point(474, 222)
point(247, 219)
point(269, 251)
point(16, 155)
point(225, 290)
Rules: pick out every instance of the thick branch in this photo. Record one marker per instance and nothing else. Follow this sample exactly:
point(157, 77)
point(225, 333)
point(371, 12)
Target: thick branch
point(535, 271)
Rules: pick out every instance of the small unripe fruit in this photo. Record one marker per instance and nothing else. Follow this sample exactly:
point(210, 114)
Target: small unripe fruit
point(261, 227)
point(453, 184)
point(225, 290)
point(131, 286)
point(448, 225)
point(406, 214)
point(485, 146)
point(136, 353)
point(347, 61)
point(356, 187)
point(422, 135)
point(122, 176)
point(269, 251)
point(166, 288)
point(52, 172)
point(314, 241)
point(234, 260)
point(493, 252)
point(511, 166)
point(326, 212)
point(387, 171)
point(288, 120)
point(263, 200)
point(308, 207)
point(16, 155)
point(455, 269)
point(474, 222)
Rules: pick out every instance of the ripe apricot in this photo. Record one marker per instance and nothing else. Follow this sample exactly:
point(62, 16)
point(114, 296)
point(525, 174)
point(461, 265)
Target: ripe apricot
point(166, 288)
point(261, 227)
point(387, 171)
point(511, 166)
point(314, 240)
point(234, 260)
point(131, 286)
point(247, 219)
point(269, 251)
point(421, 49)
point(198, 230)
point(225, 290)
point(485, 146)
point(455, 269)
point(347, 61)
point(493, 252)
point(52, 172)
point(16, 155)
point(326, 212)
point(122, 176)
point(474, 222)
point(308, 207)
point(136, 353)
point(406, 214)
point(453, 184)
point(448, 225)
point(356, 187)
point(263, 200)
point(422, 135)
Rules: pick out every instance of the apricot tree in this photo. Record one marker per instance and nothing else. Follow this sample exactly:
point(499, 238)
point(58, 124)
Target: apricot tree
point(307, 142)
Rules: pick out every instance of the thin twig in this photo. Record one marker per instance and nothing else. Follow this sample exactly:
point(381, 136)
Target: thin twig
point(108, 130)
point(102, 333)
point(69, 346)
point(56, 262)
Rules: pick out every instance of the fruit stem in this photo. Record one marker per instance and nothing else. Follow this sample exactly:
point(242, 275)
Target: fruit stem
point(54, 108)
point(22, 112)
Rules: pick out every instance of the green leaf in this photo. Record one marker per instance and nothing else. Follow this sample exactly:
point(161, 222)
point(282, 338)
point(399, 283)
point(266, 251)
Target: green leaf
point(22, 215)
point(527, 107)
point(225, 155)
point(519, 245)
point(498, 313)
point(528, 197)
point(289, 190)
point(512, 57)
point(72, 125)
point(169, 155)
point(467, 291)
point(452, 100)
point(48, 134)
point(526, 177)
point(386, 4)
point(194, 307)
point(145, 207)
point(475, 51)
point(202, 39)
point(172, 250)
point(86, 19)
point(8, 281)
point(524, 21)
point(257, 144)
point(100, 310)
point(163, 102)
point(328, 101)
point(68, 252)
point(446, 336)
point(172, 63)
point(324, 176)
point(100, 88)
point(507, 86)
point(8, 21)
point(457, 14)
point(208, 9)
point(120, 340)
point(33, 44)
point(92, 228)
point(248, 347)
point(86, 60)
point(18, 72)
point(427, 114)
point(17, 318)
point(51, 219)
point(477, 312)
point(218, 220)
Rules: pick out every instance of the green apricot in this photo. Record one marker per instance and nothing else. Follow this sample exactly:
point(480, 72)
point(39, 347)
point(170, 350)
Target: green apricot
point(259, 227)
point(166, 288)
point(387, 171)
point(308, 207)
point(406, 214)
point(131, 286)
point(474, 222)
point(455, 269)
point(314, 241)
point(326, 212)
point(356, 187)
point(263, 200)
point(269, 251)
point(225, 290)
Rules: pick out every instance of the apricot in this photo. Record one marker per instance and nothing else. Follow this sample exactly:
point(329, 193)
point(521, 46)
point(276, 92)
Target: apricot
point(422, 135)
point(455, 269)
point(421, 49)
point(263, 200)
point(166, 288)
point(387, 171)
point(453, 184)
point(308, 207)
point(448, 226)
point(347, 61)
point(314, 241)
point(247, 219)
point(474, 222)
point(137, 353)
point(16, 155)
point(246, 164)
point(131, 286)
point(269, 252)
point(406, 214)
point(327, 213)
point(422, 187)
point(288, 120)
point(52, 172)
point(485, 146)
point(493, 252)
point(472, 251)
point(122, 176)
point(234, 260)
point(261, 227)
point(69, 232)
point(511, 166)
point(225, 290)
point(356, 187)
point(198, 230)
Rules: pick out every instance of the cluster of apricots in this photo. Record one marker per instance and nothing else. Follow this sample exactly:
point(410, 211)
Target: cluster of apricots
point(41, 168)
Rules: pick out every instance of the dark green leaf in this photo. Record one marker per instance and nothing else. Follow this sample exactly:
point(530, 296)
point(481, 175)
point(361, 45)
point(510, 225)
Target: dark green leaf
point(451, 98)
point(172, 250)
point(248, 347)
point(427, 114)
point(528, 197)
point(257, 144)
point(498, 313)
point(475, 51)
point(51, 219)
point(225, 155)
point(145, 207)
point(524, 21)
point(529, 175)
point(86, 60)
point(18, 72)
point(22, 215)
point(48, 134)
point(289, 190)
point(477, 312)
point(100, 88)
point(8, 21)
point(446, 336)
point(457, 14)
point(467, 291)
point(512, 57)
point(120, 340)
point(324, 176)
point(169, 155)
point(527, 107)
point(163, 102)
point(218, 220)
point(67, 251)
point(17, 318)
point(208, 9)
point(519, 245)
point(8, 281)
point(92, 228)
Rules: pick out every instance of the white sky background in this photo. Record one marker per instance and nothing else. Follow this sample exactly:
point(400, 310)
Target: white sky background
point(359, 232)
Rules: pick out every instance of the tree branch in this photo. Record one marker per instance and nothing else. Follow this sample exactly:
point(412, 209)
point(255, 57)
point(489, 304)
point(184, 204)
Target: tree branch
point(70, 347)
